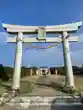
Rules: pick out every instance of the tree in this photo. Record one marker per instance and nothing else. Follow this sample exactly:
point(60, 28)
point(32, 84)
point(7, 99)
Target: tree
point(3, 74)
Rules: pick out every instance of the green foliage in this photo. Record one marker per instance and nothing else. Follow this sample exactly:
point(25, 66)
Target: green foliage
point(9, 71)
point(61, 70)
point(3, 74)
point(23, 71)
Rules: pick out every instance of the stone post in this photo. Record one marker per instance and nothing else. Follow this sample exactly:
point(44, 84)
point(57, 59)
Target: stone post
point(17, 63)
point(67, 61)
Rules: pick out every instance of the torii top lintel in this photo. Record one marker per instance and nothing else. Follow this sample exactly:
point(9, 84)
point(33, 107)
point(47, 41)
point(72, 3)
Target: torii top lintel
point(72, 27)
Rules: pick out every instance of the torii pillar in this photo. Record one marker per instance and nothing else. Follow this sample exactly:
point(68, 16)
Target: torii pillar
point(69, 78)
point(61, 29)
point(17, 63)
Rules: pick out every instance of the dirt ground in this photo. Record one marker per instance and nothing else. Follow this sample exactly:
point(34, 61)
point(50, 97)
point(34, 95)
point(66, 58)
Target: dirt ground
point(43, 89)
point(61, 79)
point(28, 83)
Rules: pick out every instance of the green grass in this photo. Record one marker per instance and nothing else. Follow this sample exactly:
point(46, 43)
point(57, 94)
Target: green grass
point(2, 90)
point(26, 87)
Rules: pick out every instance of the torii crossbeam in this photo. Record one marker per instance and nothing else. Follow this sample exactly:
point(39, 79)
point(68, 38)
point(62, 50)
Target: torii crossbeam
point(64, 30)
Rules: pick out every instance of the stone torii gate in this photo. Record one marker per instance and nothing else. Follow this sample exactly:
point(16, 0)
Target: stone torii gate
point(63, 30)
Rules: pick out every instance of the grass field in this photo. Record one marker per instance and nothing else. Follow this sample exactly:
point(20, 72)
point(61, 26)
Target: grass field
point(27, 85)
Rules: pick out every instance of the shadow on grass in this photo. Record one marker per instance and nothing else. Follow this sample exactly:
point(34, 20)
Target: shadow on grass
point(58, 87)
point(6, 86)
point(26, 87)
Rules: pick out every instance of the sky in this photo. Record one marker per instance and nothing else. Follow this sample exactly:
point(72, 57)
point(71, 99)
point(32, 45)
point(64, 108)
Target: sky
point(40, 12)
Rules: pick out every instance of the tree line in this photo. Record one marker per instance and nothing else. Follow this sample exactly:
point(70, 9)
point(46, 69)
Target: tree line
point(6, 73)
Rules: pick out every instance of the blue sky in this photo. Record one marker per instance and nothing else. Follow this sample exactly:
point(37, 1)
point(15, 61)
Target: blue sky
point(40, 12)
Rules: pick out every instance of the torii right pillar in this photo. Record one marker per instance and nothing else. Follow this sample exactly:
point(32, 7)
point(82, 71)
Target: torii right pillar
point(69, 77)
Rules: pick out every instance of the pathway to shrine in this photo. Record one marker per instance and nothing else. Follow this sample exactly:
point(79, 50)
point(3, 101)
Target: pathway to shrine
point(45, 85)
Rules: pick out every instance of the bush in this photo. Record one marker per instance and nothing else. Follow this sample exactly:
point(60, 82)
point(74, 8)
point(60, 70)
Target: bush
point(3, 74)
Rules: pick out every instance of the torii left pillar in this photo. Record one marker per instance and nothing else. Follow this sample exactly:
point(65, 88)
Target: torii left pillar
point(17, 63)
